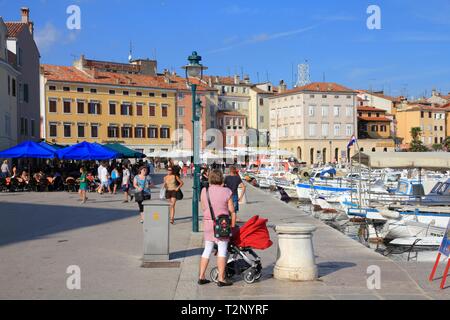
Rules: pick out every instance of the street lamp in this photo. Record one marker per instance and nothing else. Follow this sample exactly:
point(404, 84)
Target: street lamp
point(195, 70)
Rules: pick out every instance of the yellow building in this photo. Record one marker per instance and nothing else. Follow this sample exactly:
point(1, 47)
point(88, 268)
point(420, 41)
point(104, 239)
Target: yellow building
point(109, 103)
point(431, 120)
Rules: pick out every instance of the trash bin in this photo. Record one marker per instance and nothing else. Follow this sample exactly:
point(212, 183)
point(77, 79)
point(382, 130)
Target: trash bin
point(156, 232)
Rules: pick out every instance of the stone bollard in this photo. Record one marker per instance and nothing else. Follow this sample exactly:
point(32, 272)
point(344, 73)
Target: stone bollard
point(296, 259)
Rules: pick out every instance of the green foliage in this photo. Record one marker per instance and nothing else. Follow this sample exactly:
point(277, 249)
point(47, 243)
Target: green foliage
point(416, 143)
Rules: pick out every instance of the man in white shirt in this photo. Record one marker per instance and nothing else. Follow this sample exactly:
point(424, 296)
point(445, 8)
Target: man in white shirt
point(103, 175)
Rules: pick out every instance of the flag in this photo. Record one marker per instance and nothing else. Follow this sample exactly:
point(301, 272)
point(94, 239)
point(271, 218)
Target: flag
point(352, 142)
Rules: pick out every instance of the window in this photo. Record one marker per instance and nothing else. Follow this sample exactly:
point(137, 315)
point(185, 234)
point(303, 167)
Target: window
point(113, 132)
point(53, 129)
point(80, 107)
point(325, 129)
point(24, 126)
point(165, 133)
point(112, 91)
point(430, 115)
point(312, 129)
point(374, 128)
point(66, 89)
point(80, 89)
point(94, 108)
point(139, 132)
point(9, 85)
point(422, 114)
point(442, 128)
point(349, 112)
point(152, 110)
point(312, 111)
point(336, 97)
point(67, 106)
point(93, 90)
point(261, 101)
point(126, 110)
point(126, 93)
point(164, 95)
point(325, 111)
point(139, 94)
point(337, 130)
point(336, 111)
point(383, 128)
point(151, 94)
point(181, 111)
point(67, 130)
point(261, 119)
point(164, 110)
point(312, 96)
point(126, 132)
point(14, 87)
point(80, 130)
point(180, 95)
point(52, 106)
point(112, 108)
point(230, 140)
point(324, 96)
point(25, 93)
point(94, 130)
point(153, 133)
point(139, 109)
point(349, 130)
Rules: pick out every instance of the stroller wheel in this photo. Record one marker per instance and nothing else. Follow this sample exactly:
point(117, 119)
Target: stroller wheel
point(249, 276)
point(258, 276)
point(214, 275)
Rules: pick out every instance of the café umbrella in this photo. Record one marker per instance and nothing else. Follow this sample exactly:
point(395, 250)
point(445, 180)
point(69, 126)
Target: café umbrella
point(28, 150)
point(87, 151)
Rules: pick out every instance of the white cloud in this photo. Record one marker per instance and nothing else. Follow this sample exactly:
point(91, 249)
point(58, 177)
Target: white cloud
point(263, 37)
point(45, 38)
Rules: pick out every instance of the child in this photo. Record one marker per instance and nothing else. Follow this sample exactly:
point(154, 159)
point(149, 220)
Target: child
point(83, 185)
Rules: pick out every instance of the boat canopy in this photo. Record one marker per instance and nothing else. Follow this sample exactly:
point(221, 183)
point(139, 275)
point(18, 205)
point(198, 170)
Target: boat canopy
point(405, 160)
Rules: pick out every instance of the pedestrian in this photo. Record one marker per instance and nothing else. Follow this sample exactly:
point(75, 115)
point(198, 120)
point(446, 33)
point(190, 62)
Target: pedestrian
point(126, 178)
point(173, 185)
point(185, 172)
point(115, 179)
point(142, 183)
point(222, 204)
point(5, 169)
point(234, 182)
point(83, 185)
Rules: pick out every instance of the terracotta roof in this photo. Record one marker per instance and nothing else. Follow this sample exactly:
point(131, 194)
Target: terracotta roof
point(224, 80)
point(381, 95)
point(14, 28)
point(319, 87)
point(180, 83)
point(420, 107)
point(258, 90)
point(374, 119)
point(370, 109)
point(72, 74)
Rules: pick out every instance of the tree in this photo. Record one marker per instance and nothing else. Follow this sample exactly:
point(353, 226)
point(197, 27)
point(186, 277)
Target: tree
point(446, 144)
point(416, 143)
point(437, 147)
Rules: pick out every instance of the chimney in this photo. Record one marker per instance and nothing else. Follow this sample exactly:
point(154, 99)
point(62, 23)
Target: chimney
point(25, 14)
point(283, 86)
point(247, 79)
point(236, 79)
point(434, 93)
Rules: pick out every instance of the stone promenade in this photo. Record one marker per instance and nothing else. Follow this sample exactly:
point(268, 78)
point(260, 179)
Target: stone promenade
point(41, 235)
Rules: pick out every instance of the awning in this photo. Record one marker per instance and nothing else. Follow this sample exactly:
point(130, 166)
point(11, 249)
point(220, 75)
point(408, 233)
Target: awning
point(30, 150)
point(405, 160)
point(126, 153)
point(87, 151)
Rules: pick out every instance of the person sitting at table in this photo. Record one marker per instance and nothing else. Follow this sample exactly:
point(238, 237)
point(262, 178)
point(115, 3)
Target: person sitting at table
point(24, 178)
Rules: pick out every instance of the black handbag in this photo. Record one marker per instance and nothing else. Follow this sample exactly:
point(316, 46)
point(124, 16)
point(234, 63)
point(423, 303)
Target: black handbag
point(179, 195)
point(139, 196)
point(222, 224)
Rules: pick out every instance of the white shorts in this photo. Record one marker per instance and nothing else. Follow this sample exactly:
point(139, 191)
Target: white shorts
point(209, 247)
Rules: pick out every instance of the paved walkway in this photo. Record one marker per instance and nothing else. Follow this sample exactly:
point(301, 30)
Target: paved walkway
point(42, 234)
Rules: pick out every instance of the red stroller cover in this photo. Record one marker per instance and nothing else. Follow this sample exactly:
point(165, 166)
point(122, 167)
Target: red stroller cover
point(254, 234)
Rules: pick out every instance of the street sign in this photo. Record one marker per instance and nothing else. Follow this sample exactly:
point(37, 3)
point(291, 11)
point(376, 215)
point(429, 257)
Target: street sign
point(445, 246)
point(444, 250)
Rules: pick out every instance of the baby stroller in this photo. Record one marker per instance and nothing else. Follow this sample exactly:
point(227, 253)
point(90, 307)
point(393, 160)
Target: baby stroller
point(243, 260)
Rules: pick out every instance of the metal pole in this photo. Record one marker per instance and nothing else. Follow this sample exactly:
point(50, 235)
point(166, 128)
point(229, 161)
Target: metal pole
point(196, 154)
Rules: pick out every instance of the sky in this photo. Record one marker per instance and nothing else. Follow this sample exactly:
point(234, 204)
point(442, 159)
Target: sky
point(409, 55)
